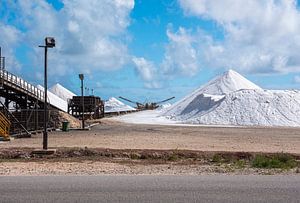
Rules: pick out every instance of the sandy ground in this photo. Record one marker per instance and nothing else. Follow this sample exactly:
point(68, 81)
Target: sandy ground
point(117, 135)
point(111, 168)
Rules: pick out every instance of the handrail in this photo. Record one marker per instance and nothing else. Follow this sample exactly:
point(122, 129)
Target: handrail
point(4, 118)
point(13, 117)
point(20, 83)
point(4, 126)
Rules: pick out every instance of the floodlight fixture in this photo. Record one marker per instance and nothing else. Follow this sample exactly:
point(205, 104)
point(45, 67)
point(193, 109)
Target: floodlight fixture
point(50, 42)
point(81, 76)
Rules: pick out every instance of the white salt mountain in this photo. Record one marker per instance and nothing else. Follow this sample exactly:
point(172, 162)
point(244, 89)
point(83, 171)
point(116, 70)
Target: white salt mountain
point(114, 105)
point(205, 96)
point(164, 106)
point(240, 102)
point(229, 82)
point(55, 100)
point(252, 107)
point(61, 92)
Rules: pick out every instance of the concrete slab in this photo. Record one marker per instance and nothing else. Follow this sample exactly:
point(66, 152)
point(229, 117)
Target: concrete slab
point(44, 151)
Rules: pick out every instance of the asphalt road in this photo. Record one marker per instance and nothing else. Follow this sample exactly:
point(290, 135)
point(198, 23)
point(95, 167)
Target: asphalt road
point(221, 188)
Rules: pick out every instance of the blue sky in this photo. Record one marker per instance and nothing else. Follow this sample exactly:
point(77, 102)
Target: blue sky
point(152, 49)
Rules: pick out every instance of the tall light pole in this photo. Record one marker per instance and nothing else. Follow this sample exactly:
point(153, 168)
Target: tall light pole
point(81, 77)
point(2, 61)
point(49, 43)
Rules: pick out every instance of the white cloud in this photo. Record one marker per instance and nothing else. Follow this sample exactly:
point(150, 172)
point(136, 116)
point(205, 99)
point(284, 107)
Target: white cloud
point(9, 40)
point(153, 85)
point(148, 72)
point(180, 56)
point(89, 35)
point(145, 68)
point(259, 35)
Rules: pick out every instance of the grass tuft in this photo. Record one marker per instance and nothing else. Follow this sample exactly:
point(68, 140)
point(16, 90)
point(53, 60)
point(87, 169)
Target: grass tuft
point(282, 161)
point(240, 164)
point(173, 157)
point(216, 158)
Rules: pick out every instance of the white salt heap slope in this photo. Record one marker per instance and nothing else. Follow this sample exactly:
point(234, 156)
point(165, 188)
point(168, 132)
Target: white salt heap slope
point(252, 107)
point(230, 81)
point(55, 100)
point(61, 92)
point(164, 106)
point(233, 100)
point(212, 92)
point(114, 105)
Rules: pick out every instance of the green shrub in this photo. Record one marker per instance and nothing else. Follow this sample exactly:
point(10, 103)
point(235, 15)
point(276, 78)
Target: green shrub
point(135, 156)
point(216, 158)
point(283, 161)
point(173, 157)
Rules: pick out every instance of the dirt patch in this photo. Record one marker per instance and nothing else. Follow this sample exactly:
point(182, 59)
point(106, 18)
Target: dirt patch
point(60, 116)
point(133, 154)
point(86, 161)
point(74, 122)
point(118, 148)
point(117, 135)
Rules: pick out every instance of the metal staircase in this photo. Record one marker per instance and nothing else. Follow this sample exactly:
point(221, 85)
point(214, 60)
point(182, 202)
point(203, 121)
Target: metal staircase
point(21, 104)
point(4, 127)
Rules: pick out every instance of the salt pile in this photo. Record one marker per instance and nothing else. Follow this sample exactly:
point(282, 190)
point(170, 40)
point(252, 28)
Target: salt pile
point(61, 92)
point(114, 105)
point(164, 106)
point(231, 99)
point(214, 90)
point(55, 100)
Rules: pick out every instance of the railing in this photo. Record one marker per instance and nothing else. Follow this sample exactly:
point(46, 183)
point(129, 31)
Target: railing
point(4, 126)
point(22, 84)
point(2, 62)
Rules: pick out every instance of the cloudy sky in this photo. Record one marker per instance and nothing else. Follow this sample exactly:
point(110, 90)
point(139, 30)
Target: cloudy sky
point(152, 49)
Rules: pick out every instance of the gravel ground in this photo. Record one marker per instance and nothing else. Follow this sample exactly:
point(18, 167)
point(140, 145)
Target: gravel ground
point(108, 168)
point(116, 135)
point(120, 136)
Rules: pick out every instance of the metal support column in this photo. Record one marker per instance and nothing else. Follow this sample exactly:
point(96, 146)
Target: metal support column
point(81, 76)
point(45, 134)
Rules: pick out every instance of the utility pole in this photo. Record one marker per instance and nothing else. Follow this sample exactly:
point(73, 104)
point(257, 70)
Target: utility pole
point(87, 91)
point(2, 60)
point(45, 134)
point(81, 77)
point(49, 43)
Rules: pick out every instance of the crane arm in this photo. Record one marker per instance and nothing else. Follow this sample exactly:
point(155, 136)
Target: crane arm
point(127, 100)
point(164, 100)
point(137, 103)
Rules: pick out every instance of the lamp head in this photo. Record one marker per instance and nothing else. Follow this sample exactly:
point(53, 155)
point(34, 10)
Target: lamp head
point(81, 76)
point(50, 42)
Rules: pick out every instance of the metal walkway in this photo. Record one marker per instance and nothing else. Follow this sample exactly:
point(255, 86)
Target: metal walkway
point(21, 85)
point(23, 104)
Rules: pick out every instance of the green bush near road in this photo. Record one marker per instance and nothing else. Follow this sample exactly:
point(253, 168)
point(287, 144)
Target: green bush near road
point(283, 161)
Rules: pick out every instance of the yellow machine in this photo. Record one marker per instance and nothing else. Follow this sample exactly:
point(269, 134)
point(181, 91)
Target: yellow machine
point(4, 127)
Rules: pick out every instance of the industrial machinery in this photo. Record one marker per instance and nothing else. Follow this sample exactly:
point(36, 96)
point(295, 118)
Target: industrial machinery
point(93, 106)
point(147, 105)
point(21, 105)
